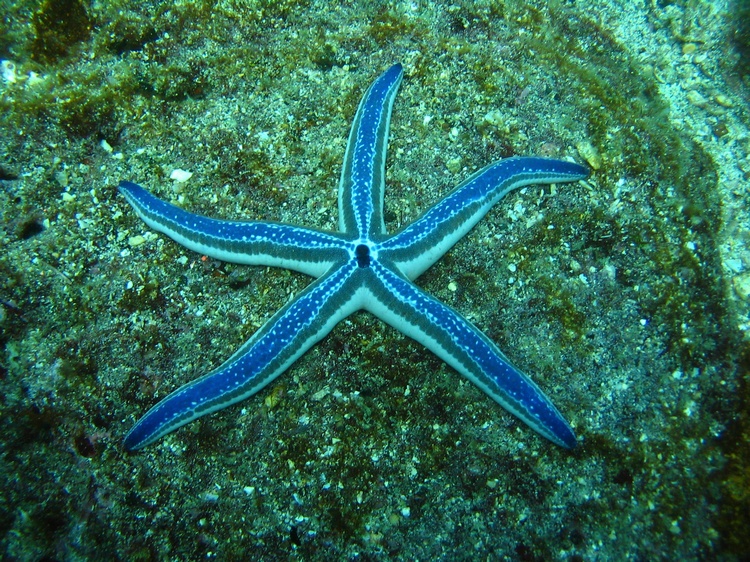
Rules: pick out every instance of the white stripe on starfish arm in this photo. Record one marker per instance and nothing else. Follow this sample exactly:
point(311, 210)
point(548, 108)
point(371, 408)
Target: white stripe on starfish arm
point(426, 240)
point(461, 345)
point(302, 249)
point(268, 353)
point(363, 175)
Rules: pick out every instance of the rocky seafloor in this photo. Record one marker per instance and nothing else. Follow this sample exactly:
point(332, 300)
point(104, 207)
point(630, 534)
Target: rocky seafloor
point(626, 297)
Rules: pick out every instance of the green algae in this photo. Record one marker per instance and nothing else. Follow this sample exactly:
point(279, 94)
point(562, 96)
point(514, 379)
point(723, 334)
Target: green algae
point(740, 21)
point(59, 25)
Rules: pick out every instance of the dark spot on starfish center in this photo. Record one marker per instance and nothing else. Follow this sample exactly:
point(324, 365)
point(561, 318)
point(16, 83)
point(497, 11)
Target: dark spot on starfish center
point(363, 255)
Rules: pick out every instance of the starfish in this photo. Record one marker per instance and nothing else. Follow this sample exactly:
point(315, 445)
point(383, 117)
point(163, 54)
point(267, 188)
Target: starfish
point(359, 267)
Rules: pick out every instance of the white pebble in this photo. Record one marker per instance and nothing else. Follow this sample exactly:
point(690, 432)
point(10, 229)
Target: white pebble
point(180, 176)
point(9, 71)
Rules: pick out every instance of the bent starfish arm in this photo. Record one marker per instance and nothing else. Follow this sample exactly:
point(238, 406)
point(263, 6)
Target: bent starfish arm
point(268, 353)
point(306, 250)
point(363, 175)
point(423, 242)
point(461, 345)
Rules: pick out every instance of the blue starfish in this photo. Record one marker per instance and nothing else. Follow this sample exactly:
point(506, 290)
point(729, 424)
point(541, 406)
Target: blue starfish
point(360, 267)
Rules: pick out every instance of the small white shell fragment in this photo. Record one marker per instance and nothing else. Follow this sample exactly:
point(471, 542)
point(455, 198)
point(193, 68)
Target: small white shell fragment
point(135, 241)
point(106, 146)
point(494, 118)
point(9, 71)
point(590, 154)
point(180, 176)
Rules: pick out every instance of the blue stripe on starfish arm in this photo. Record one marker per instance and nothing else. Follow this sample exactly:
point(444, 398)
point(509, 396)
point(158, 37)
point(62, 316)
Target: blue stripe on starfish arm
point(268, 353)
point(424, 241)
point(363, 176)
point(459, 343)
point(306, 250)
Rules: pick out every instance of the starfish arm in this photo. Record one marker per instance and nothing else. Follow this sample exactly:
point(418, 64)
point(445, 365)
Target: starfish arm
point(306, 250)
point(424, 241)
point(363, 175)
point(460, 344)
point(267, 354)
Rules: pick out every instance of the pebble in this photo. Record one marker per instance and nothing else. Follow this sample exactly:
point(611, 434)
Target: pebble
point(136, 240)
point(689, 48)
point(453, 165)
point(8, 71)
point(735, 265)
point(741, 284)
point(589, 153)
point(494, 118)
point(696, 98)
point(180, 176)
point(723, 100)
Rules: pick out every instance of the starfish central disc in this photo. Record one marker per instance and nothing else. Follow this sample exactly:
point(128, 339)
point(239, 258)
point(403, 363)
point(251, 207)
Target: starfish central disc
point(363, 255)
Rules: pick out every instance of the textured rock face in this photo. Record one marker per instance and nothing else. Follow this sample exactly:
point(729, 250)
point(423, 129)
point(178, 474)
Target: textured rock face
point(627, 295)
